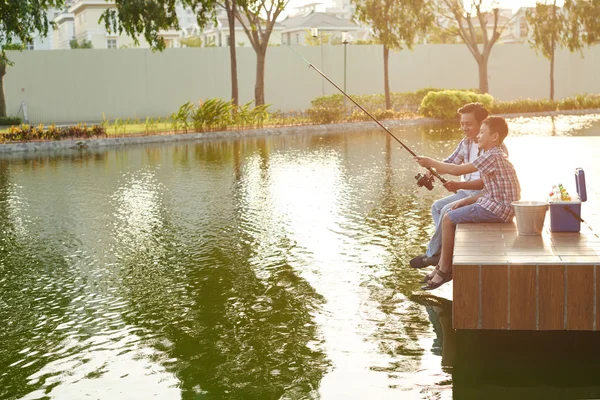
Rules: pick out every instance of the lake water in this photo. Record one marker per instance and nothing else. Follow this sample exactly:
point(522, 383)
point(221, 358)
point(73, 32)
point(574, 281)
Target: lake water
point(243, 269)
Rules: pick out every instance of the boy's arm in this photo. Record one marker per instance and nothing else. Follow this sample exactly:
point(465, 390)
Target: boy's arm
point(466, 201)
point(453, 186)
point(446, 168)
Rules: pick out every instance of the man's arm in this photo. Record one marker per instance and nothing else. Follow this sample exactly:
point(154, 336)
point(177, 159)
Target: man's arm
point(446, 168)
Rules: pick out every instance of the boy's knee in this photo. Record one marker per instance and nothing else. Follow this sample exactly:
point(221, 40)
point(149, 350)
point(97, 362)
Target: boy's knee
point(446, 219)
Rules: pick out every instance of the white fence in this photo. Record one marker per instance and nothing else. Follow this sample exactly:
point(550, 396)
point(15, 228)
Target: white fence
point(79, 85)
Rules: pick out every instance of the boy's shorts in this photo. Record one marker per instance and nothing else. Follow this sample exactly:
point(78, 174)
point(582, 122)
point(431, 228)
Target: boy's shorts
point(472, 213)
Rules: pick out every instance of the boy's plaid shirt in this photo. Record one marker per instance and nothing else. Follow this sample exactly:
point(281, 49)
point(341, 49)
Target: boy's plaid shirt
point(462, 154)
point(500, 183)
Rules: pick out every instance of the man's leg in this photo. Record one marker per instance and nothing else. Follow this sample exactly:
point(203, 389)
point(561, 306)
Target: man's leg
point(438, 210)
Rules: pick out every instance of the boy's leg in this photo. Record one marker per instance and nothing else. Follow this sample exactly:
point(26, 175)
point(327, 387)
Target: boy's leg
point(468, 214)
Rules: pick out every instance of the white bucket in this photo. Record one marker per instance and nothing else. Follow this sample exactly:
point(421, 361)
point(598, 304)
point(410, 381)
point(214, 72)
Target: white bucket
point(530, 216)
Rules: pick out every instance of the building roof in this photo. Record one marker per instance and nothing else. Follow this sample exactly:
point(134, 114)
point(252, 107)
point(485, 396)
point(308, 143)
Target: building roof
point(317, 20)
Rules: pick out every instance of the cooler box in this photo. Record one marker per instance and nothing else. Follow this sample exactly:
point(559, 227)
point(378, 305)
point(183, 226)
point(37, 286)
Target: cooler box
point(565, 216)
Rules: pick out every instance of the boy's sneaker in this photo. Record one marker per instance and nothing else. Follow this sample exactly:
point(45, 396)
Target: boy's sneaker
point(423, 261)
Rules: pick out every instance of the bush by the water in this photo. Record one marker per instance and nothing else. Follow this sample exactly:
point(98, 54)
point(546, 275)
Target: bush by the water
point(578, 102)
point(219, 114)
point(328, 109)
point(7, 121)
point(444, 104)
point(27, 132)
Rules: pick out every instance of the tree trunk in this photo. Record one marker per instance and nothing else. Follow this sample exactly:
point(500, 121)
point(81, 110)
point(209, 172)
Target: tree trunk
point(386, 77)
point(2, 96)
point(483, 75)
point(552, 76)
point(259, 88)
point(230, 7)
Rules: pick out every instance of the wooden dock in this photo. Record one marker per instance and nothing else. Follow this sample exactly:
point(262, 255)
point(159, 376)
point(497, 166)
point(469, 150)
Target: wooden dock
point(504, 281)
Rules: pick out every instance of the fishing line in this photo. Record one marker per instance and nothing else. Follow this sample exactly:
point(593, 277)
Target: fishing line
point(421, 181)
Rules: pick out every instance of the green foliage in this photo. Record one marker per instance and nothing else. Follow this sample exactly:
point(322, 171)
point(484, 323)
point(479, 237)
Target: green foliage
point(19, 21)
point(328, 109)
point(582, 23)
point(26, 133)
point(147, 18)
point(6, 121)
point(547, 24)
point(217, 114)
point(444, 104)
point(323, 37)
point(522, 106)
point(212, 114)
point(577, 102)
point(85, 44)
point(180, 119)
point(396, 23)
point(194, 41)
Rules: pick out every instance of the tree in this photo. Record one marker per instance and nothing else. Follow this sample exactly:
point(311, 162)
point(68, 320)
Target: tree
point(396, 24)
point(258, 17)
point(148, 17)
point(582, 23)
point(548, 25)
point(85, 44)
point(472, 22)
point(19, 21)
point(574, 26)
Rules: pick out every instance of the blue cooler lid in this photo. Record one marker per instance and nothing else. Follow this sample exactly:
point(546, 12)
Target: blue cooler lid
point(580, 184)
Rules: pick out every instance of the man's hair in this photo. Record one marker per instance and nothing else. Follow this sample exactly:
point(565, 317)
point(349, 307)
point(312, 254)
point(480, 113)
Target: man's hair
point(477, 109)
point(497, 125)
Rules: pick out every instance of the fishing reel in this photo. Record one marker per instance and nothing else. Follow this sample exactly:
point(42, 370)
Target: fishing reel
point(424, 180)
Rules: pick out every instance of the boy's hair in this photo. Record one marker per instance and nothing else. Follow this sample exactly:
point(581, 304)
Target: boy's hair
point(477, 109)
point(497, 125)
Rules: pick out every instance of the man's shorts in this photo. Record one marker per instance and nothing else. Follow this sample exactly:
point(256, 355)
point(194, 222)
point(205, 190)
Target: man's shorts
point(472, 213)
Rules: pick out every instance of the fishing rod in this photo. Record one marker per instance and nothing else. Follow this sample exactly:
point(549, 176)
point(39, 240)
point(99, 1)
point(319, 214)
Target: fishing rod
point(422, 180)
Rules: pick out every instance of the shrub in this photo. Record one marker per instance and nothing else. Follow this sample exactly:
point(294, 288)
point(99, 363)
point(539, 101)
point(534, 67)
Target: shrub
point(327, 109)
point(27, 132)
point(6, 121)
point(523, 106)
point(444, 104)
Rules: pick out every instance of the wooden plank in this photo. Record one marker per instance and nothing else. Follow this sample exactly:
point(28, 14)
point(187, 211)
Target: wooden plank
point(551, 297)
point(465, 307)
point(496, 260)
point(580, 297)
point(494, 297)
point(523, 305)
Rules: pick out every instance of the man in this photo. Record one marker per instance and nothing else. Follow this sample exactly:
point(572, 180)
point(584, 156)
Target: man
point(471, 117)
point(493, 204)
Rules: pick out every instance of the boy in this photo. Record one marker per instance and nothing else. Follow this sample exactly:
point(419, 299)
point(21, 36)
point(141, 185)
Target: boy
point(500, 188)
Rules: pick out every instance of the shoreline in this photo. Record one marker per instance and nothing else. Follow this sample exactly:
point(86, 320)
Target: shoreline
point(8, 148)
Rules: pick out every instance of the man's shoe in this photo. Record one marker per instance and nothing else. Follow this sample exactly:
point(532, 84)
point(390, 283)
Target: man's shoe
point(423, 261)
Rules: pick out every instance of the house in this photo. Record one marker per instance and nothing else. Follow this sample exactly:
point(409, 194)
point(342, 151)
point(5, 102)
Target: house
point(300, 26)
point(79, 21)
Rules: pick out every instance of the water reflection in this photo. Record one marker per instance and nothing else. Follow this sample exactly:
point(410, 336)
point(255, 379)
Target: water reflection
point(256, 268)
